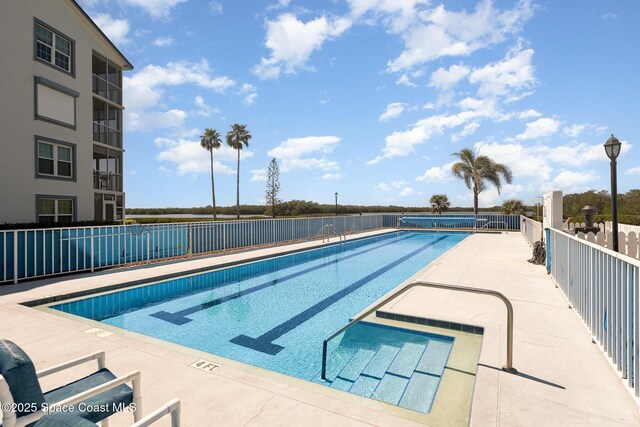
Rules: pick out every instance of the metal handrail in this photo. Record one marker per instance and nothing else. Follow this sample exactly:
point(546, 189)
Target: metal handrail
point(332, 228)
point(506, 226)
point(507, 368)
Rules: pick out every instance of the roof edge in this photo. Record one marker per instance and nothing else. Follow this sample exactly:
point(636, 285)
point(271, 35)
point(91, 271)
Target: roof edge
point(127, 64)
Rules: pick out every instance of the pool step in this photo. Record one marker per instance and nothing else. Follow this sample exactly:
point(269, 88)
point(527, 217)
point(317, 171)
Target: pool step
point(406, 375)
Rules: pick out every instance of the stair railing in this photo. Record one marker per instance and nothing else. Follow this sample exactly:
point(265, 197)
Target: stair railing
point(328, 230)
point(486, 225)
point(507, 368)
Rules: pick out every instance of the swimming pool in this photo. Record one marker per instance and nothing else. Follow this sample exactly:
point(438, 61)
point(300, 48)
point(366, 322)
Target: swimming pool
point(276, 312)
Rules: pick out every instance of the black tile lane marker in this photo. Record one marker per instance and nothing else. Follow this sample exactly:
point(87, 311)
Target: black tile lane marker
point(179, 317)
point(264, 343)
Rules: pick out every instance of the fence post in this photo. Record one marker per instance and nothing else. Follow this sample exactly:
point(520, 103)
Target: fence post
point(15, 256)
point(92, 261)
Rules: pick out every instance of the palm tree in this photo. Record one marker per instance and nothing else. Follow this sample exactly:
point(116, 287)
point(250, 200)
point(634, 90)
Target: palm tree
point(439, 203)
point(237, 138)
point(211, 141)
point(513, 207)
point(477, 170)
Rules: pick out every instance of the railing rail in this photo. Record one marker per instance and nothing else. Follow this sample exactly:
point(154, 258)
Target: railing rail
point(603, 287)
point(531, 230)
point(332, 229)
point(487, 224)
point(512, 221)
point(508, 367)
point(37, 253)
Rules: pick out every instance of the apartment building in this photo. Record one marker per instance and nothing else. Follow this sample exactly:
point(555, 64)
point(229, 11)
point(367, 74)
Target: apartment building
point(60, 116)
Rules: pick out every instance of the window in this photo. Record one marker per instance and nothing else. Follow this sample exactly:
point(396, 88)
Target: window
point(55, 103)
point(55, 159)
point(55, 211)
point(53, 48)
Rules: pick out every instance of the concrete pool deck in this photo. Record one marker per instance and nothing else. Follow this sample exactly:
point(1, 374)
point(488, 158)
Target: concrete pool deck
point(564, 379)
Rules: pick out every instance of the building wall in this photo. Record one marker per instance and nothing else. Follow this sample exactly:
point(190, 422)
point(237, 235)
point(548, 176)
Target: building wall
point(18, 127)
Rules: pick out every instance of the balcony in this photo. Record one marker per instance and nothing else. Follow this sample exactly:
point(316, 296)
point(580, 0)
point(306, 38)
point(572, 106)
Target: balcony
point(107, 135)
point(107, 90)
point(108, 181)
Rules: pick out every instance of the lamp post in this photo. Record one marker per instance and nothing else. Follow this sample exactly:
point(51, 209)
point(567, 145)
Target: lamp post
point(336, 203)
point(612, 148)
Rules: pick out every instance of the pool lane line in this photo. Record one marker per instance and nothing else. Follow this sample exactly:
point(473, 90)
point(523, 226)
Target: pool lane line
point(264, 343)
point(179, 317)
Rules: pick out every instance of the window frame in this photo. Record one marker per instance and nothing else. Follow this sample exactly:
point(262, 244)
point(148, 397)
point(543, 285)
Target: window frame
point(72, 49)
point(56, 143)
point(56, 214)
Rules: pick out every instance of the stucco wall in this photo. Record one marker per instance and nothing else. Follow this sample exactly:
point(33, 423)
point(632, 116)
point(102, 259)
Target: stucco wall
point(18, 182)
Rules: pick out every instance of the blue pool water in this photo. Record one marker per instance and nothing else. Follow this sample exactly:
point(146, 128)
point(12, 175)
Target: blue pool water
point(275, 313)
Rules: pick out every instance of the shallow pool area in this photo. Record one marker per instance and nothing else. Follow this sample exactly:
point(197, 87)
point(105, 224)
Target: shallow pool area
point(275, 313)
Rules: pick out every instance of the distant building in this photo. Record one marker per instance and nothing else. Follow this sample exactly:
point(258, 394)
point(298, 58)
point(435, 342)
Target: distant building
point(60, 116)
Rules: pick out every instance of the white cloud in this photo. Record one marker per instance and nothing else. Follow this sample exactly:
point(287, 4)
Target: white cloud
point(258, 175)
point(215, 7)
point(331, 176)
point(189, 158)
point(249, 93)
point(529, 114)
point(115, 29)
point(155, 8)
point(574, 130)
point(396, 15)
point(436, 173)
point(634, 171)
point(538, 163)
point(540, 128)
point(448, 33)
point(406, 191)
point(490, 196)
point(570, 181)
point(144, 91)
point(301, 153)
point(164, 41)
point(383, 186)
point(280, 4)
point(292, 42)
point(402, 143)
point(610, 16)
point(393, 110)
point(523, 160)
point(444, 79)
point(508, 77)
point(468, 130)
point(404, 80)
point(204, 109)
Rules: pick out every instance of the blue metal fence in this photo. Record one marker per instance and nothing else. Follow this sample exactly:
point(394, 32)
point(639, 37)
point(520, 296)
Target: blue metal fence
point(487, 221)
point(26, 254)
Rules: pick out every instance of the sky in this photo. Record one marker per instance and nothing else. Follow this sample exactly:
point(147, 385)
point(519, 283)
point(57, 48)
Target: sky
point(370, 98)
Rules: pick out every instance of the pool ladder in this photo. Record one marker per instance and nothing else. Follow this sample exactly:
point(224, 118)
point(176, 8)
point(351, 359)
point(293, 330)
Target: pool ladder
point(328, 230)
point(507, 368)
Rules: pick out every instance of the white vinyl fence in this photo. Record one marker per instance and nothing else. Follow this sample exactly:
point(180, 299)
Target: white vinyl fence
point(32, 253)
point(628, 237)
point(602, 286)
point(531, 230)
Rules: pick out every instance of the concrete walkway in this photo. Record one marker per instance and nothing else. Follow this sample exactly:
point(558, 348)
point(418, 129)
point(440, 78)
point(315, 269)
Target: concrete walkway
point(564, 379)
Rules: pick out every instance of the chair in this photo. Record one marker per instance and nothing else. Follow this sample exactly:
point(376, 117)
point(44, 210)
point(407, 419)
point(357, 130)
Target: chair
point(102, 393)
point(66, 419)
